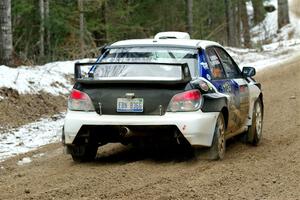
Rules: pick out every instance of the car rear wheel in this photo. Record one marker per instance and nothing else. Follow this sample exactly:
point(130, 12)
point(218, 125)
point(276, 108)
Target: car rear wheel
point(83, 153)
point(217, 150)
point(254, 133)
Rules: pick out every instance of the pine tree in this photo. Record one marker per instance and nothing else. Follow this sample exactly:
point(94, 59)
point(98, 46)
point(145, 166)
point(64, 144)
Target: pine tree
point(74, 29)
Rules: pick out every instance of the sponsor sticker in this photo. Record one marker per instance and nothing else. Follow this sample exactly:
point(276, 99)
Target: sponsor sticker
point(208, 77)
point(204, 65)
point(227, 87)
point(203, 86)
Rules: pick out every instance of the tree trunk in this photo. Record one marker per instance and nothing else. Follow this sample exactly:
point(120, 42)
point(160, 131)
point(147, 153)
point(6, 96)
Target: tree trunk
point(6, 46)
point(81, 25)
point(230, 23)
point(190, 16)
point(259, 11)
point(245, 24)
point(238, 24)
point(42, 28)
point(283, 13)
point(48, 45)
point(105, 10)
point(103, 29)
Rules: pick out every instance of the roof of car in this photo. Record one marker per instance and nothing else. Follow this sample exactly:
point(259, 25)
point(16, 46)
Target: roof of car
point(188, 43)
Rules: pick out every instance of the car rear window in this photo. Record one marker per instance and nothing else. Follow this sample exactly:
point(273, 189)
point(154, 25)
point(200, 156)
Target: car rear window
point(154, 55)
point(137, 72)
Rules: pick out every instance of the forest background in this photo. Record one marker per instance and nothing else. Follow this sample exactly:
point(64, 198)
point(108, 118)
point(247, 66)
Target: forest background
point(40, 31)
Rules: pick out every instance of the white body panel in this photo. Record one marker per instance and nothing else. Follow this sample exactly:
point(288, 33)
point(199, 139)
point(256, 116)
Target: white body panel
point(254, 93)
point(197, 127)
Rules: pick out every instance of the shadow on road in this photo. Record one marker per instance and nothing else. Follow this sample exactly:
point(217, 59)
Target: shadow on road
point(117, 153)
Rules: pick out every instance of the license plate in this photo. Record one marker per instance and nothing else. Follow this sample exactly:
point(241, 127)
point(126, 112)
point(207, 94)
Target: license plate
point(130, 105)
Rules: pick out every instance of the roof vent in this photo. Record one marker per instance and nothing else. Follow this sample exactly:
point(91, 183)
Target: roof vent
point(172, 35)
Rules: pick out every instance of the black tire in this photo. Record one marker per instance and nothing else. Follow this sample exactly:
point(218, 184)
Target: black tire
point(254, 133)
point(83, 153)
point(218, 147)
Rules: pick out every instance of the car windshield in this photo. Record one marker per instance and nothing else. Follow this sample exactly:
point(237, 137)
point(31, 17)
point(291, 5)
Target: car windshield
point(153, 55)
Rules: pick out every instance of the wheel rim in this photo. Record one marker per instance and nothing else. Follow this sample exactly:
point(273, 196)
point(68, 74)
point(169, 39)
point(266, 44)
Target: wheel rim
point(258, 119)
point(221, 139)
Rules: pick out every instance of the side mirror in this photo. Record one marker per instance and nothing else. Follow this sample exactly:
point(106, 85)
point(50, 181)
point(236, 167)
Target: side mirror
point(248, 71)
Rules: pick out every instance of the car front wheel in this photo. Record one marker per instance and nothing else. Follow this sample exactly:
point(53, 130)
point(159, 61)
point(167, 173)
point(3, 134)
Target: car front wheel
point(254, 133)
point(217, 150)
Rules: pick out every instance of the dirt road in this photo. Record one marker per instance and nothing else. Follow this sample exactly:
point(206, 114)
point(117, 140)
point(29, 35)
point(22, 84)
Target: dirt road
point(269, 171)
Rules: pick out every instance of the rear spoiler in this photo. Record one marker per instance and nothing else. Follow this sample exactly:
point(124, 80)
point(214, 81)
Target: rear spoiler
point(185, 72)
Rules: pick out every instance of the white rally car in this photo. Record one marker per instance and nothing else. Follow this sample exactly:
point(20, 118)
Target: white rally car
point(167, 89)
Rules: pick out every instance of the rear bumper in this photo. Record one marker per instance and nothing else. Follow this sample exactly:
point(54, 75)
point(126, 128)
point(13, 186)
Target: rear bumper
point(197, 127)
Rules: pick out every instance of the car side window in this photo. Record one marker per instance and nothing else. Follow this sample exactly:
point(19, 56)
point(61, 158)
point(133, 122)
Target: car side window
point(215, 66)
point(231, 69)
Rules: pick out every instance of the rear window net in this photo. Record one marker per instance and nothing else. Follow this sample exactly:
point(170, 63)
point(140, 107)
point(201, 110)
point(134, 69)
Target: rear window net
point(131, 72)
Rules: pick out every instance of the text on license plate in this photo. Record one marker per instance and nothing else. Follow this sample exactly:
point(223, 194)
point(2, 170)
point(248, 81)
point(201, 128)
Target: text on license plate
point(130, 105)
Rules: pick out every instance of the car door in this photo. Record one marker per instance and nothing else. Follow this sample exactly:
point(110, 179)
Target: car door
point(239, 83)
point(225, 76)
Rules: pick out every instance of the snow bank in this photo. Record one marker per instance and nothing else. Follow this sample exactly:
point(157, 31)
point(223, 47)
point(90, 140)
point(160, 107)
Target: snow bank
point(50, 78)
point(284, 43)
point(268, 28)
point(268, 56)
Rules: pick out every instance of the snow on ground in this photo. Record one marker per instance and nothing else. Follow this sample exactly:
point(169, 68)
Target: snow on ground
point(30, 136)
point(24, 161)
point(52, 78)
point(285, 43)
point(269, 55)
point(270, 27)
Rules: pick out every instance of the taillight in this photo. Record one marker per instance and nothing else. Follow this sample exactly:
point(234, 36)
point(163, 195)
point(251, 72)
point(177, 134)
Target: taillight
point(80, 101)
point(186, 101)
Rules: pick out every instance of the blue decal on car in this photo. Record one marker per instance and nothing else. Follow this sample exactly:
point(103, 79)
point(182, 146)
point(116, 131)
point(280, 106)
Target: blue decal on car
point(203, 66)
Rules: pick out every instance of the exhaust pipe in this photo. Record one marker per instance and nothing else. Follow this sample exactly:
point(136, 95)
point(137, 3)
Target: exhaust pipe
point(124, 131)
